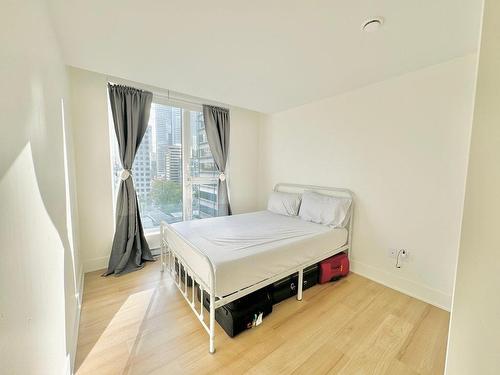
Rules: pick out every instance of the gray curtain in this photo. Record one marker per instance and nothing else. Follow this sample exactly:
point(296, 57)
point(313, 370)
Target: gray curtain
point(130, 108)
point(217, 128)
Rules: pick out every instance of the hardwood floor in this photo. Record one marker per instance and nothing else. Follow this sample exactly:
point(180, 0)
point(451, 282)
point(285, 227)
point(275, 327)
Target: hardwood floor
point(140, 324)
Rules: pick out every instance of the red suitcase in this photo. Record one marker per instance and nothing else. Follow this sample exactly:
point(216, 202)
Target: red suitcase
point(333, 268)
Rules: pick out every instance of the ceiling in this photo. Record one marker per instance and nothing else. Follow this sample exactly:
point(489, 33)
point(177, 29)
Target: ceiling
point(265, 55)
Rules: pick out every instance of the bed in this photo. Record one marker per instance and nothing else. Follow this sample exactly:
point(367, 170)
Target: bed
point(232, 256)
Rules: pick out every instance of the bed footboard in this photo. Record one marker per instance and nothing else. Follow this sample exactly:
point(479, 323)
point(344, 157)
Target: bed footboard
point(188, 260)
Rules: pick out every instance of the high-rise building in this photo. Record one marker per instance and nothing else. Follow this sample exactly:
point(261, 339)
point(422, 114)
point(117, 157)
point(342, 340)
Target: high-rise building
point(173, 163)
point(176, 125)
point(162, 126)
point(168, 124)
point(141, 170)
point(207, 198)
point(154, 161)
point(202, 165)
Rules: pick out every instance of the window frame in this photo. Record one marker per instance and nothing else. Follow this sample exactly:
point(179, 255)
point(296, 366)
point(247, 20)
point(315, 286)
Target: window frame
point(187, 179)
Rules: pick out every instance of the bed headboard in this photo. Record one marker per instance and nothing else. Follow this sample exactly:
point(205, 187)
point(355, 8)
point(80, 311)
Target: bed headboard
point(299, 189)
point(335, 192)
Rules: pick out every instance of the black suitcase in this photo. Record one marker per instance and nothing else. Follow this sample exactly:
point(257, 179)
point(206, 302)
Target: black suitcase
point(242, 314)
point(287, 287)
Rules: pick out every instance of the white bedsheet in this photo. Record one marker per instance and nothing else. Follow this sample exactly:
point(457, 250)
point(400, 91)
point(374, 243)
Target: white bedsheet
point(248, 248)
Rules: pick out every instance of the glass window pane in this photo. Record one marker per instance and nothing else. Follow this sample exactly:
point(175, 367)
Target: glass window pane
point(202, 162)
point(163, 197)
point(204, 200)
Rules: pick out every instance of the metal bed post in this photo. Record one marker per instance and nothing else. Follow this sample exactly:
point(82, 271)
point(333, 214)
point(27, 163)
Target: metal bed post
point(349, 234)
point(170, 260)
point(161, 248)
point(212, 321)
point(192, 290)
point(201, 303)
point(300, 282)
point(211, 327)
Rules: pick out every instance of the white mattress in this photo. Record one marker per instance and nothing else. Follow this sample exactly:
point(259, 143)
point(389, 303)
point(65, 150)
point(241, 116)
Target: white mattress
point(248, 248)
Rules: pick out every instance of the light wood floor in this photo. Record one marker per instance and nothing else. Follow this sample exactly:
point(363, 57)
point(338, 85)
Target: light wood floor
point(140, 324)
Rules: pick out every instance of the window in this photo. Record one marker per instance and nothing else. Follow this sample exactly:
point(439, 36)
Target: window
point(174, 172)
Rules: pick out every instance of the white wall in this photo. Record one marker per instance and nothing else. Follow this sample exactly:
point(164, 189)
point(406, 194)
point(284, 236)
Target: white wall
point(401, 146)
point(244, 159)
point(474, 344)
point(39, 267)
point(89, 113)
point(92, 149)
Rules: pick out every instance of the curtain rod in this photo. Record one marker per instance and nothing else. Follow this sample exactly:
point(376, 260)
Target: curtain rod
point(159, 94)
point(173, 98)
point(176, 99)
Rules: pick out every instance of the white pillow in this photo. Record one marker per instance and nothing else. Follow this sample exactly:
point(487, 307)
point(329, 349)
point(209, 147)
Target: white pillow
point(284, 203)
point(324, 209)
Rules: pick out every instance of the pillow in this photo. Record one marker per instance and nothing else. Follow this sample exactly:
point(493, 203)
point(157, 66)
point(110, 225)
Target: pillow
point(284, 203)
point(325, 209)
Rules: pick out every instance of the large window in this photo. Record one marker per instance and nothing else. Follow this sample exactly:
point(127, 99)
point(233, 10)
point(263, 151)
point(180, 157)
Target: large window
point(174, 172)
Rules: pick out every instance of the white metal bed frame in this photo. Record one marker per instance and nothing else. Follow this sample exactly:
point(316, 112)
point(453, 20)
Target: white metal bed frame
point(165, 250)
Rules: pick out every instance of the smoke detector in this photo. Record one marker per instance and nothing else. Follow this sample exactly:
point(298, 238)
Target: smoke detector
point(372, 24)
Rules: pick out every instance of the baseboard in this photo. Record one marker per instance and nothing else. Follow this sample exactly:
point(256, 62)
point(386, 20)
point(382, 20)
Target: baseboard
point(76, 324)
point(95, 264)
point(67, 366)
point(409, 287)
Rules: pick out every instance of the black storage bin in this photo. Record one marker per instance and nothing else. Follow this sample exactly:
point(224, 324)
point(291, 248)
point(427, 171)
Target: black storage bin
point(240, 315)
point(287, 287)
point(189, 279)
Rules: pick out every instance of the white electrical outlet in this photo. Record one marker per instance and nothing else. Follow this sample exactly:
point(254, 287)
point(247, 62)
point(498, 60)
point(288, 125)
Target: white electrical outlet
point(399, 256)
point(393, 253)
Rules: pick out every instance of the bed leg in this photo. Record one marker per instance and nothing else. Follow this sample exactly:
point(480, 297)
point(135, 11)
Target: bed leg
point(162, 248)
point(170, 262)
point(161, 259)
point(300, 282)
point(212, 324)
point(192, 290)
point(201, 303)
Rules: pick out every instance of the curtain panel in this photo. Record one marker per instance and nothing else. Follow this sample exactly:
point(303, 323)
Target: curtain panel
point(130, 108)
point(217, 124)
